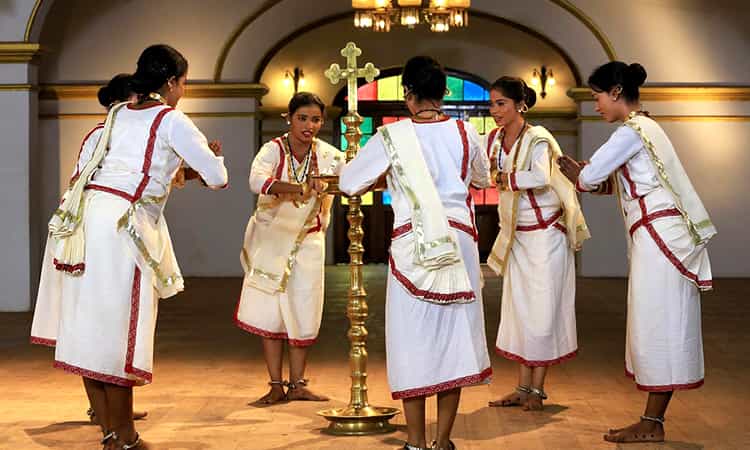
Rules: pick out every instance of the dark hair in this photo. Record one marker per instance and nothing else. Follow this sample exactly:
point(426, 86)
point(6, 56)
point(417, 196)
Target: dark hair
point(157, 64)
point(117, 90)
point(425, 78)
point(614, 73)
point(301, 99)
point(515, 89)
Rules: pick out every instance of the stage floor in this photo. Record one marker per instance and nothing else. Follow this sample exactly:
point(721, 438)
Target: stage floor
point(207, 370)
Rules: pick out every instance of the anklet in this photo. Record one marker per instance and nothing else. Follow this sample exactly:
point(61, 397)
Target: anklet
point(408, 446)
point(523, 389)
point(656, 419)
point(301, 382)
point(539, 392)
point(108, 436)
point(135, 444)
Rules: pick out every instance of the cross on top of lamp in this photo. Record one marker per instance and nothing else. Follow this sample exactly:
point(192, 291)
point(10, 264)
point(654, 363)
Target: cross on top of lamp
point(543, 78)
point(335, 73)
point(440, 15)
point(294, 77)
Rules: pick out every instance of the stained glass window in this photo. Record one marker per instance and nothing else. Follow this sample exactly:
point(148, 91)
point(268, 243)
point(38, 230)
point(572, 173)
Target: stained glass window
point(389, 89)
point(459, 90)
point(386, 198)
point(366, 129)
point(366, 200)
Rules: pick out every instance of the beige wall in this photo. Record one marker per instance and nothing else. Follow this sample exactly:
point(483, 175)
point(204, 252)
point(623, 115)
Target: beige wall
point(679, 41)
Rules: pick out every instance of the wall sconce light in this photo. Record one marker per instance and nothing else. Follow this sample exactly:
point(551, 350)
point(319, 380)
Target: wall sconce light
point(295, 78)
point(543, 78)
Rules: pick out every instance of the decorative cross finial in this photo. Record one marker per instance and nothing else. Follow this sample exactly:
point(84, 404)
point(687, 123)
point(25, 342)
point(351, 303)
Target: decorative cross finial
point(335, 73)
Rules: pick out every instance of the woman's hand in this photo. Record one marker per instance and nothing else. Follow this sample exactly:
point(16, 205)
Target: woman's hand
point(570, 168)
point(215, 147)
point(179, 179)
point(503, 181)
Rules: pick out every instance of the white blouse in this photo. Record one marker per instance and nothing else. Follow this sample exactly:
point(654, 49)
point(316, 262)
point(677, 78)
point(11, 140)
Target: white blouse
point(146, 149)
point(455, 158)
point(625, 154)
point(537, 201)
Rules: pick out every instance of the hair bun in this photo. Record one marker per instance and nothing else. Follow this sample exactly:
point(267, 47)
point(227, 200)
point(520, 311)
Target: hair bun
point(529, 96)
point(636, 74)
point(104, 96)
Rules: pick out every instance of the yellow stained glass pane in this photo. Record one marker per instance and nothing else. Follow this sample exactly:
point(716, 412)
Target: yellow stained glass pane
point(389, 88)
point(489, 124)
point(366, 200)
point(478, 123)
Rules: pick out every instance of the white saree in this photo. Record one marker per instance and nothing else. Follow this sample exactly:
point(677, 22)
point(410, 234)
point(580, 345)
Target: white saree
point(541, 226)
point(283, 253)
point(435, 339)
point(667, 229)
point(102, 320)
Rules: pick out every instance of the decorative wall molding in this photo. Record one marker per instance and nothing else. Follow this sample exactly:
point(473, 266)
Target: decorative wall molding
point(687, 118)
point(194, 115)
point(18, 52)
point(16, 87)
point(32, 18)
point(677, 93)
point(194, 90)
point(609, 49)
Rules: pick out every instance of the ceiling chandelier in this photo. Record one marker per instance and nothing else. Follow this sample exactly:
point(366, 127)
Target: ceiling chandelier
point(440, 15)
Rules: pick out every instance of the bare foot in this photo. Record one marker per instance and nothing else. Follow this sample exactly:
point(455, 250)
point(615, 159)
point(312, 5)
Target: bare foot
point(275, 395)
point(643, 431)
point(533, 403)
point(304, 394)
point(515, 398)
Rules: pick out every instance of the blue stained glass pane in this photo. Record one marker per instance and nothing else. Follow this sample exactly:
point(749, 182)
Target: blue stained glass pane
point(473, 91)
point(386, 198)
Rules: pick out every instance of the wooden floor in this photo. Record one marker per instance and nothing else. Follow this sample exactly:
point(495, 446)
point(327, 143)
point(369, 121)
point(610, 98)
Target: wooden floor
point(207, 370)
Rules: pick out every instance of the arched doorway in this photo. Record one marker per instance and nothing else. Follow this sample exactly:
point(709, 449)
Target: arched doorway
point(380, 102)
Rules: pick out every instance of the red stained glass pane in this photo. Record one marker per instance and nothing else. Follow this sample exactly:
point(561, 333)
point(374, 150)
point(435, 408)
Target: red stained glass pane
point(490, 196)
point(368, 91)
point(478, 196)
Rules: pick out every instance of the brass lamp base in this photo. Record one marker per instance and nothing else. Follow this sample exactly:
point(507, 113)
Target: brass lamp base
point(349, 421)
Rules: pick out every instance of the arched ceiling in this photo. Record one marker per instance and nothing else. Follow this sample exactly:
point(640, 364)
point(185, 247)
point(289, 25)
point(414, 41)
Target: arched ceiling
point(258, 32)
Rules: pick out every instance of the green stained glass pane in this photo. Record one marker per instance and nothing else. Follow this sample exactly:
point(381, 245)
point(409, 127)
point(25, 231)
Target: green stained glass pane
point(455, 89)
point(343, 143)
point(478, 123)
point(388, 88)
point(366, 126)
